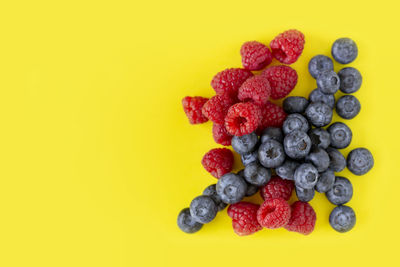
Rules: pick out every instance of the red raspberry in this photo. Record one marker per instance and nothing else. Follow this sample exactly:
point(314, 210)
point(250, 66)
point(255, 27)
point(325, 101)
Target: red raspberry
point(216, 108)
point(242, 118)
point(244, 218)
point(274, 213)
point(255, 55)
point(218, 161)
point(228, 81)
point(282, 79)
point(277, 188)
point(256, 88)
point(302, 219)
point(272, 116)
point(221, 135)
point(287, 46)
point(192, 107)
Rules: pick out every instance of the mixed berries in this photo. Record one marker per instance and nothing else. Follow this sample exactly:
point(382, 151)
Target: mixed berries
point(295, 147)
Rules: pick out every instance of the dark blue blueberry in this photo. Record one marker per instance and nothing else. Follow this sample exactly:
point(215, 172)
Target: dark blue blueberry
point(250, 157)
point(203, 209)
point(294, 122)
point(273, 133)
point(271, 154)
point(319, 158)
point(344, 50)
point(337, 160)
point(318, 64)
point(350, 80)
point(295, 104)
point(320, 138)
point(186, 222)
point(325, 181)
point(256, 174)
point(244, 144)
point(342, 219)
point(304, 195)
point(317, 96)
point(328, 82)
point(348, 107)
point(287, 169)
point(306, 176)
point(231, 188)
point(319, 114)
point(297, 144)
point(251, 189)
point(341, 135)
point(341, 191)
point(211, 191)
point(360, 161)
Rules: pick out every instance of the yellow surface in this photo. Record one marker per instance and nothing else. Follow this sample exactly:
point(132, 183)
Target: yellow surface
point(97, 156)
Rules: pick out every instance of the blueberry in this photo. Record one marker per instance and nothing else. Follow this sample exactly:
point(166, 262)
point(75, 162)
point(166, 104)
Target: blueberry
point(250, 157)
point(203, 209)
point(319, 114)
point(325, 181)
point(297, 144)
point(350, 80)
point(341, 191)
point(256, 174)
point(295, 104)
point(337, 160)
point(342, 219)
point(348, 107)
point(341, 135)
point(231, 188)
point(251, 189)
point(273, 133)
point(244, 144)
point(186, 222)
point(317, 96)
point(286, 170)
point(303, 194)
point(318, 64)
point(344, 50)
point(294, 122)
point(328, 82)
point(306, 176)
point(211, 191)
point(319, 158)
point(320, 138)
point(271, 154)
point(360, 161)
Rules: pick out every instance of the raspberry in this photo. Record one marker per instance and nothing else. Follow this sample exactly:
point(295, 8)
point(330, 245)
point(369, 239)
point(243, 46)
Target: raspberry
point(228, 81)
point(218, 161)
point(272, 116)
point(242, 118)
point(216, 107)
point(192, 107)
point(274, 213)
point(282, 80)
point(287, 46)
point(256, 88)
point(255, 55)
point(302, 219)
point(277, 188)
point(244, 218)
point(221, 135)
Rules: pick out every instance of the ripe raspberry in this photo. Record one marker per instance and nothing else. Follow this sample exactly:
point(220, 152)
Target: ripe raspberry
point(192, 107)
point(302, 219)
point(272, 116)
point(287, 46)
point(282, 79)
point(221, 135)
point(218, 161)
point(244, 218)
point(255, 55)
point(274, 213)
point(277, 188)
point(242, 118)
point(228, 81)
point(216, 108)
point(256, 88)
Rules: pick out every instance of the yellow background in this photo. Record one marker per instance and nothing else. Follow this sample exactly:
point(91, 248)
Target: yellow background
point(97, 156)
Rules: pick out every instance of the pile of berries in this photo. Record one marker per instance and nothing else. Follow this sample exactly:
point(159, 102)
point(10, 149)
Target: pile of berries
point(282, 149)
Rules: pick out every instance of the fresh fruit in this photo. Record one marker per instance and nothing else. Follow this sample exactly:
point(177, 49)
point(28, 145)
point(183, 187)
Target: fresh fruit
point(344, 50)
point(277, 188)
point(256, 174)
point(287, 169)
point(255, 55)
point(297, 144)
point(203, 209)
point(350, 80)
point(288, 46)
point(245, 143)
point(337, 161)
point(319, 114)
point(294, 122)
point(282, 80)
point(216, 108)
point(317, 96)
point(348, 107)
point(192, 107)
point(221, 135)
point(274, 213)
point(273, 133)
point(304, 195)
point(242, 118)
point(271, 154)
point(341, 191)
point(325, 181)
point(360, 161)
point(302, 219)
point(272, 116)
point(341, 135)
point(231, 188)
point(295, 104)
point(256, 89)
point(228, 81)
point(251, 189)
point(319, 138)
point(186, 222)
point(249, 158)
point(342, 219)
point(244, 218)
point(211, 191)
point(306, 176)
point(328, 82)
point(319, 158)
point(218, 161)
point(319, 64)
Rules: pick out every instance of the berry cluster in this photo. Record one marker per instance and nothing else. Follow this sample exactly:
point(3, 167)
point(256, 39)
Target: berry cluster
point(282, 149)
